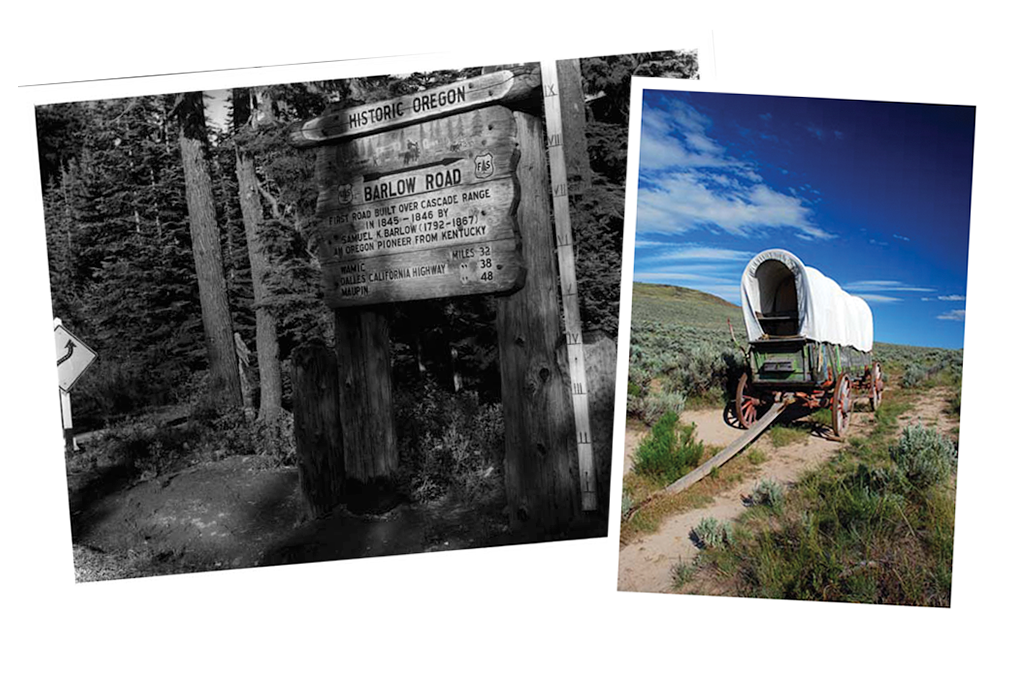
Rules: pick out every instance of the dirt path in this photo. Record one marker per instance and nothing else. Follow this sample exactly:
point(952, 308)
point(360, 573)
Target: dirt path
point(235, 514)
point(646, 565)
point(930, 410)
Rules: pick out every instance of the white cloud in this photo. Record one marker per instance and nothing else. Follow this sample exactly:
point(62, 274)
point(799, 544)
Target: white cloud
point(953, 297)
point(662, 148)
point(684, 201)
point(698, 253)
point(954, 315)
point(878, 298)
point(703, 144)
point(690, 181)
point(875, 285)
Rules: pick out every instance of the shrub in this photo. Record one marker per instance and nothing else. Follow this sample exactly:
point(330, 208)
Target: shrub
point(667, 453)
point(756, 456)
point(711, 533)
point(682, 573)
point(655, 406)
point(914, 375)
point(450, 444)
point(767, 492)
point(627, 502)
point(924, 455)
point(128, 445)
point(953, 404)
point(700, 370)
point(148, 449)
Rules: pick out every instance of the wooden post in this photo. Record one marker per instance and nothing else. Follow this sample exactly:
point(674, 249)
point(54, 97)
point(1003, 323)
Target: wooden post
point(363, 342)
point(599, 351)
point(574, 123)
point(567, 278)
point(318, 433)
point(539, 431)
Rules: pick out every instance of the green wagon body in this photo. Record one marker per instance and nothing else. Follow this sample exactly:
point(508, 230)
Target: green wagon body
point(802, 364)
point(805, 335)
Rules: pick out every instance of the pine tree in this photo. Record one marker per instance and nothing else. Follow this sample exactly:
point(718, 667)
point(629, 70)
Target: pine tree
point(225, 387)
point(260, 265)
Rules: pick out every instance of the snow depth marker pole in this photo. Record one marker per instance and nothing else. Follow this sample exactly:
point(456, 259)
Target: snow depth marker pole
point(567, 276)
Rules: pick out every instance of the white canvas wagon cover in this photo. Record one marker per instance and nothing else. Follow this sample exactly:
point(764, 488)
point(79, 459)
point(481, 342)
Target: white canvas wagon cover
point(778, 288)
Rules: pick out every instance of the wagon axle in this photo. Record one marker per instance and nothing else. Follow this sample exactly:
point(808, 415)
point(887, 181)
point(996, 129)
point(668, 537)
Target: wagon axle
point(751, 401)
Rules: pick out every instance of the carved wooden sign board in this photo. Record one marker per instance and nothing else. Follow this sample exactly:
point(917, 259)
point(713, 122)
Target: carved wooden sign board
point(492, 88)
point(421, 211)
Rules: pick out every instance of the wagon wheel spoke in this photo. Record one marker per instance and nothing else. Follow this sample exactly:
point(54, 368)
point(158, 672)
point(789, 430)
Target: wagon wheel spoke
point(877, 385)
point(841, 406)
point(746, 403)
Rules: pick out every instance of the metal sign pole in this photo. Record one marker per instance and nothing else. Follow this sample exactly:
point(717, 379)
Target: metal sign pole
point(73, 358)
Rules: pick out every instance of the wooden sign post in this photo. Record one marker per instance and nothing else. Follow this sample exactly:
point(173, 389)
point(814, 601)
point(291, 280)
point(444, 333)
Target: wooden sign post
point(437, 194)
point(539, 434)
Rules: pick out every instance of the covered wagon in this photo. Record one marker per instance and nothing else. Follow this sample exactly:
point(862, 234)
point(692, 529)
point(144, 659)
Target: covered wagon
point(810, 341)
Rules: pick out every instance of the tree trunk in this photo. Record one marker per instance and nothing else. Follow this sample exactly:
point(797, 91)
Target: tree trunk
point(574, 124)
point(213, 298)
point(266, 325)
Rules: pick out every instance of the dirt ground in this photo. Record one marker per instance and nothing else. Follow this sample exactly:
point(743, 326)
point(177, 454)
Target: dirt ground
point(235, 514)
point(646, 564)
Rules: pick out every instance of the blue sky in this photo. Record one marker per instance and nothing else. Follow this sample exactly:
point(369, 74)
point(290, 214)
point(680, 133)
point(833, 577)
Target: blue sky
point(876, 195)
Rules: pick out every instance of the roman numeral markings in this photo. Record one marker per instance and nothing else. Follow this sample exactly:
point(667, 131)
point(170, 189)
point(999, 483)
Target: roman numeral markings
point(567, 275)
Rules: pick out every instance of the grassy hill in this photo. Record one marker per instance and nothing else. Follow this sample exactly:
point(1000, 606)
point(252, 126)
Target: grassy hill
point(679, 304)
point(681, 352)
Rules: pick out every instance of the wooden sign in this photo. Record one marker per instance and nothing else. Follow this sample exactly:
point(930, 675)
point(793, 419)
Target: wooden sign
point(501, 86)
point(426, 211)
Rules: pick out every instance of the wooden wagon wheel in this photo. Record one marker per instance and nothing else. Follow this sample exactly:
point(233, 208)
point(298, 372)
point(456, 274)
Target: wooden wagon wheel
point(877, 385)
point(746, 402)
point(842, 404)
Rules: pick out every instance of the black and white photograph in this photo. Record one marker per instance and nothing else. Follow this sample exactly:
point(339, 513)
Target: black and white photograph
point(338, 319)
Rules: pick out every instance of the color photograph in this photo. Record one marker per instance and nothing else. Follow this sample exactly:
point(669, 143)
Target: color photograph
point(796, 347)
